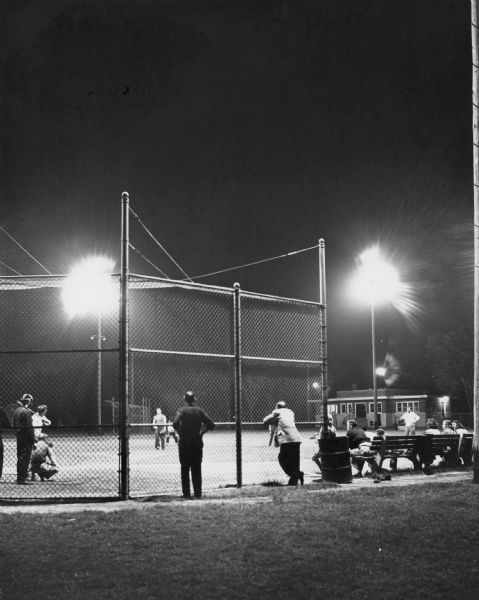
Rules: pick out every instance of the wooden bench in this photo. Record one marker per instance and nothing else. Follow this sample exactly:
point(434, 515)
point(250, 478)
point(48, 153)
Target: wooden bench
point(422, 449)
point(465, 449)
point(401, 446)
point(447, 447)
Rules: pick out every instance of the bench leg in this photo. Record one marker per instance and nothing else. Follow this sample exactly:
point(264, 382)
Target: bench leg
point(393, 463)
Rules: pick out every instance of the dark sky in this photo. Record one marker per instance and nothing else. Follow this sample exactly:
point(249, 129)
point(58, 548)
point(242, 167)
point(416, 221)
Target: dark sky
point(242, 131)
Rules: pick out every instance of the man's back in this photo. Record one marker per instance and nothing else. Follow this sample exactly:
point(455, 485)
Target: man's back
point(191, 421)
point(356, 435)
point(22, 417)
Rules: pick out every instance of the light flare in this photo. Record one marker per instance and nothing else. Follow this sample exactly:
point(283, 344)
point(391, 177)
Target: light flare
point(90, 288)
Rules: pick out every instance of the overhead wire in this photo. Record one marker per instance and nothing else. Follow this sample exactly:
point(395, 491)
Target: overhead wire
point(159, 244)
point(251, 264)
point(26, 251)
point(256, 262)
point(148, 260)
point(9, 267)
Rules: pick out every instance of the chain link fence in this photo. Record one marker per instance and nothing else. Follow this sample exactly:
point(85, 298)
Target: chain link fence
point(239, 352)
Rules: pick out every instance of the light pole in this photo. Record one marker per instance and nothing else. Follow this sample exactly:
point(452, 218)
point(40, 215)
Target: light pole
point(100, 338)
point(376, 282)
point(89, 290)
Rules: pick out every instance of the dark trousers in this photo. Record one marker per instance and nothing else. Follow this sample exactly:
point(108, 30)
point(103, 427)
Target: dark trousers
point(191, 456)
point(160, 439)
point(1, 456)
point(288, 459)
point(24, 454)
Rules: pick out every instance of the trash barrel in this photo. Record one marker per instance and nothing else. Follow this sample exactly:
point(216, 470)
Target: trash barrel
point(335, 459)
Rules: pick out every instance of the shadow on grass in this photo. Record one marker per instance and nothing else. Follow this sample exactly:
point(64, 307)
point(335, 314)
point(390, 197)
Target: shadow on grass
point(265, 490)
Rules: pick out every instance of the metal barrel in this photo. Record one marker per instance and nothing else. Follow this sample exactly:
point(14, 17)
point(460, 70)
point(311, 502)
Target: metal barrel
point(335, 460)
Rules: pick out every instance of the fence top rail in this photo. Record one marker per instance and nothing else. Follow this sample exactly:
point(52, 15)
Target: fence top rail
point(142, 279)
point(138, 281)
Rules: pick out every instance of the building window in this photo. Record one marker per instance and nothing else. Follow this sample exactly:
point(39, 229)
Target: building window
point(380, 407)
point(343, 409)
point(401, 407)
point(350, 409)
point(333, 408)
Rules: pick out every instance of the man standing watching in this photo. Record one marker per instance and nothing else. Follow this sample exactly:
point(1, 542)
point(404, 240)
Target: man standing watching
point(191, 422)
point(159, 425)
point(4, 423)
point(22, 421)
point(410, 419)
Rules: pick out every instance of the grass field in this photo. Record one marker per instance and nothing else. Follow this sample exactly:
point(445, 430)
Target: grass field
point(391, 543)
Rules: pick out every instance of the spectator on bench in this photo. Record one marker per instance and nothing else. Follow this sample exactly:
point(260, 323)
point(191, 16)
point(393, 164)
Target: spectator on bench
point(447, 427)
point(330, 433)
point(359, 443)
point(432, 428)
point(360, 450)
point(458, 427)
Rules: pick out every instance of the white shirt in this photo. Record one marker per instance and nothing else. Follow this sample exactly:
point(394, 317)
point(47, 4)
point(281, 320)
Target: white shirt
point(286, 432)
point(410, 418)
point(38, 421)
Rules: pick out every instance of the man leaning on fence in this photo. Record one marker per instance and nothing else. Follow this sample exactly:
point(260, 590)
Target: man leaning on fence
point(191, 422)
point(22, 421)
point(289, 440)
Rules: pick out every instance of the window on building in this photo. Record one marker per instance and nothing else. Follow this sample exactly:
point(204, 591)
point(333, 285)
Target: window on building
point(333, 408)
point(401, 407)
point(343, 409)
point(350, 409)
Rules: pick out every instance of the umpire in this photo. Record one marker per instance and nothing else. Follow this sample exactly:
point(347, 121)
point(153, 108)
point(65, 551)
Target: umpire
point(22, 421)
point(191, 422)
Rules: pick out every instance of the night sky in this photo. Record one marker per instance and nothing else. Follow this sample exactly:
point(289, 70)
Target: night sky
point(242, 131)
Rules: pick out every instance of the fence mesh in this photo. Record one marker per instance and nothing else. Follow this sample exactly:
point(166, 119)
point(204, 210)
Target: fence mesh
point(182, 337)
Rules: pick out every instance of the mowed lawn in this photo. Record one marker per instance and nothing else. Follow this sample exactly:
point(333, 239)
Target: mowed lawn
point(411, 542)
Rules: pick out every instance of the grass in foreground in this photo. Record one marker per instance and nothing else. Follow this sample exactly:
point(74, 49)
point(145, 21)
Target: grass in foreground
point(387, 543)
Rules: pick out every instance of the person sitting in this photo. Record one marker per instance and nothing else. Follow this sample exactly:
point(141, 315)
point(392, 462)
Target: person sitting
point(427, 457)
point(43, 459)
point(432, 427)
point(447, 427)
point(330, 433)
point(359, 445)
point(458, 427)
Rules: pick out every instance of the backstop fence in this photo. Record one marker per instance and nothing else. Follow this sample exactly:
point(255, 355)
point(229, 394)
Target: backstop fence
point(238, 351)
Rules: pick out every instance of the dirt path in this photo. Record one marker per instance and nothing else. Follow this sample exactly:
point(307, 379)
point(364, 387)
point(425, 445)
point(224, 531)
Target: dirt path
point(232, 495)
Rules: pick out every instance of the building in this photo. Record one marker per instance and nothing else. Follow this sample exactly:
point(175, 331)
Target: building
point(392, 403)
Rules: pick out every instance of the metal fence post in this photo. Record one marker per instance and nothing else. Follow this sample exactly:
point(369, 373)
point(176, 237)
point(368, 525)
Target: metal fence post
point(323, 333)
point(124, 350)
point(237, 352)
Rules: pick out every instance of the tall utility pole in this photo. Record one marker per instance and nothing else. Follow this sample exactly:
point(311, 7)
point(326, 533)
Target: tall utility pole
point(475, 134)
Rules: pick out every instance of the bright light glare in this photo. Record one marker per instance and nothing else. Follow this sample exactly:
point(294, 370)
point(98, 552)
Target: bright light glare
point(89, 288)
point(315, 385)
point(376, 280)
point(380, 371)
